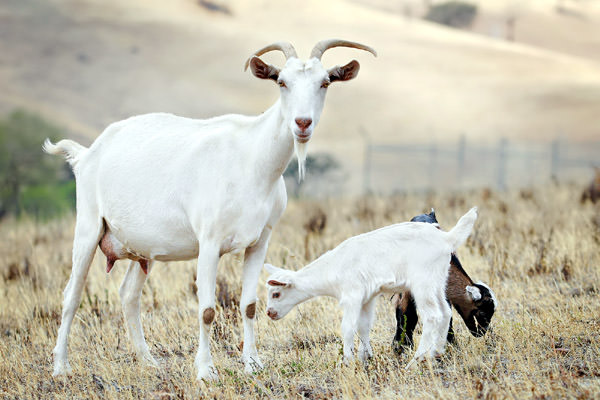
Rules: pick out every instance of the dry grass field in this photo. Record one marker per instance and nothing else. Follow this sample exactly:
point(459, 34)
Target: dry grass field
point(538, 249)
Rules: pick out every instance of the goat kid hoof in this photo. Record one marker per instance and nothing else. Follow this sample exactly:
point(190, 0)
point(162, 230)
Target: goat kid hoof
point(412, 364)
point(148, 361)
point(208, 373)
point(365, 357)
point(347, 361)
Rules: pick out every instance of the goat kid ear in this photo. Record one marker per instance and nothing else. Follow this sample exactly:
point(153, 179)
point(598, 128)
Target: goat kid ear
point(474, 292)
point(271, 269)
point(273, 282)
point(345, 73)
point(262, 70)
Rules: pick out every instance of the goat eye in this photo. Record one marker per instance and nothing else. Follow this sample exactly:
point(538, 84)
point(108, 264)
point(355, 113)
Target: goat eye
point(276, 295)
point(325, 84)
point(281, 84)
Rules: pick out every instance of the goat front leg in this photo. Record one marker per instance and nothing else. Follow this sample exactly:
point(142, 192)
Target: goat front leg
point(350, 319)
point(131, 292)
point(206, 280)
point(88, 231)
point(254, 259)
point(365, 323)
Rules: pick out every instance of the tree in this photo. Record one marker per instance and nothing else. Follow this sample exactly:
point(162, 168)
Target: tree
point(27, 175)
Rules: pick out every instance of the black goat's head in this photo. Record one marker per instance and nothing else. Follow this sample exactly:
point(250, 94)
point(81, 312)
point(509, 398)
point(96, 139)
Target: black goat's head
point(478, 314)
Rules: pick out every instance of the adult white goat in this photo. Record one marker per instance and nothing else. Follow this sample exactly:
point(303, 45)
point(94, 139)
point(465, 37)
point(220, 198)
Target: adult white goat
point(409, 256)
point(162, 187)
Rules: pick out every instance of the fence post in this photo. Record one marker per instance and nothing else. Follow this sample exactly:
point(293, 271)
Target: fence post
point(502, 147)
point(554, 158)
point(460, 154)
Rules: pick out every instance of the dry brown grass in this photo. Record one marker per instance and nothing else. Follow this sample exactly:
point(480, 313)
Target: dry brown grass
point(538, 250)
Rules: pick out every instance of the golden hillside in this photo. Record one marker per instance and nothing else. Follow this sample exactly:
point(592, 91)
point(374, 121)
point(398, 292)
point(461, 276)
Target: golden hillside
point(87, 63)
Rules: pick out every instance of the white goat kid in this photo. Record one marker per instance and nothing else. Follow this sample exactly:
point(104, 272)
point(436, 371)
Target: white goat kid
point(162, 187)
point(408, 256)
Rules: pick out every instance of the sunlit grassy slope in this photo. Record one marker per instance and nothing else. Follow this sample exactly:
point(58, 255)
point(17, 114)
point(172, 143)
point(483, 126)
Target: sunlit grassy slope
point(539, 250)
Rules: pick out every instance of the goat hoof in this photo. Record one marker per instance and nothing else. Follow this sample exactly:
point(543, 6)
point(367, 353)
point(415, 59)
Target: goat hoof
point(252, 364)
point(207, 373)
point(62, 368)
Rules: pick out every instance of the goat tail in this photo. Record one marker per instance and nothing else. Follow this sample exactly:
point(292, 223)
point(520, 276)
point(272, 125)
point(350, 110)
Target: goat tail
point(69, 149)
point(459, 234)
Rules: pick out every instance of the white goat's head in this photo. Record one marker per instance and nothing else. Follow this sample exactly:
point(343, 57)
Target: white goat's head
point(282, 294)
point(303, 86)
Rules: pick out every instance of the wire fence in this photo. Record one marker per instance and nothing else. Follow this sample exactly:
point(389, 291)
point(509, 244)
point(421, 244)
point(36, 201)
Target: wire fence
point(390, 168)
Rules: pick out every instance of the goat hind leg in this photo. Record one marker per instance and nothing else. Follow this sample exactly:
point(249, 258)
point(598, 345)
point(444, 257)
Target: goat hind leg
point(365, 322)
point(88, 231)
point(443, 325)
point(130, 292)
point(429, 313)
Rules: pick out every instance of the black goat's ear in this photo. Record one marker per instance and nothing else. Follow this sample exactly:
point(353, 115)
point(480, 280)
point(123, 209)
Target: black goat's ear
point(262, 70)
point(474, 293)
point(432, 215)
point(345, 73)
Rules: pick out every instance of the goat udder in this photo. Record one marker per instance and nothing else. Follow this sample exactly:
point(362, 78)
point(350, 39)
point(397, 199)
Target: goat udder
point(113, 250)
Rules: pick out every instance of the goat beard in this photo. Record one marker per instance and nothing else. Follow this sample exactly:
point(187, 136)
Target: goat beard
point(301, 149)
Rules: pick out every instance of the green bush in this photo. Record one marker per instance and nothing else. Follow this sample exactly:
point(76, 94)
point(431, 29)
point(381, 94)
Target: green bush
point(43, 201)
point(456, 14)
point(31, 181)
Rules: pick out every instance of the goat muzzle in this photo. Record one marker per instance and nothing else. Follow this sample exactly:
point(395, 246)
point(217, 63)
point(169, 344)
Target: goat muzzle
point(272, 313)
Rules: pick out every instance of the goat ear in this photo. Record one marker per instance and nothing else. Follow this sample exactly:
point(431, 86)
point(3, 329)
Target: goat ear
point(273, 282)
point(345, 73)
point(262, 70)
point(474, 292)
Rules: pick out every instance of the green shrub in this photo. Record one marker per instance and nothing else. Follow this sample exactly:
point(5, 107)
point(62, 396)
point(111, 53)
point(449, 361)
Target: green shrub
point(31, 181)
point(456, 14)
point(44, 201)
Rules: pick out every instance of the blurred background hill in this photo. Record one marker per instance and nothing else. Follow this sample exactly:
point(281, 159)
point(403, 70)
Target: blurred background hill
point(525, 71)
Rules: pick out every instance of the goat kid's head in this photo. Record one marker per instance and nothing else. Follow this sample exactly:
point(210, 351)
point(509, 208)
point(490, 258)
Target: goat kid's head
point(478, 314)
point(282, 295)
point(303, 86)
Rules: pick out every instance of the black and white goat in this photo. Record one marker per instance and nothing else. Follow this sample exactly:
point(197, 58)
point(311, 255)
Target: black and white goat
point(475, 302)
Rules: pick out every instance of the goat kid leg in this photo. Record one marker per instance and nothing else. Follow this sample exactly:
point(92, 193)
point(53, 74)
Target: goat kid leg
point(206, 280)
point(349, 328)
point(365, 323)
point(88, 231)
point(254, 259)
point(131, 292)
point(406, 322)
point(443, 327)
point(432, 317)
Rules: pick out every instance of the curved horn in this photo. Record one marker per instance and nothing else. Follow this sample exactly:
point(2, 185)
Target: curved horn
point(287, 49)
point(323, 45)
